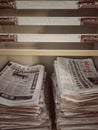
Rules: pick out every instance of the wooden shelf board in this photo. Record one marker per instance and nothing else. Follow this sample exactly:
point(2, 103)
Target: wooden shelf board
point(46, 52)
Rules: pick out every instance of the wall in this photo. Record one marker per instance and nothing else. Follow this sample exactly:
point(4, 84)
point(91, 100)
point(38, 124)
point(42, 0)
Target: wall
point(96, 48)
point(3, 59)
point(96, 58)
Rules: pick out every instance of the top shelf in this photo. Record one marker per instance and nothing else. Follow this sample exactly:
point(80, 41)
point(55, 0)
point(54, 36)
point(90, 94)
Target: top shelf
point(54, 4)
point(46, 4)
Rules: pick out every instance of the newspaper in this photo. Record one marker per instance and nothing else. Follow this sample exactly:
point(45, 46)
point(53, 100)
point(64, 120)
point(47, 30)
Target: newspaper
point(88, 4)
point(75, 90)
point(8, 20)
point(20, 85)
point(89, 21)
point(22, 98)
point(7, 4)
point(76, 75)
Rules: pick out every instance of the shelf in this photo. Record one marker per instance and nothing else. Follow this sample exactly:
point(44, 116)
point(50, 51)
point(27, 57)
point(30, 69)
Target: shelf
point(55, 4)
point(38, 38)
point(46, 20)
point(29, 4)
point(38, 52)
point(73, 21)
point(47, 12)
point(53, 14)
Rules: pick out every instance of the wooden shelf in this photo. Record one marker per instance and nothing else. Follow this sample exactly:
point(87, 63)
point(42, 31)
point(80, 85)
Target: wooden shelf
point(29, 4)
point(42, 38)
point(45, 13)
point(46, 52)
point(47, 21)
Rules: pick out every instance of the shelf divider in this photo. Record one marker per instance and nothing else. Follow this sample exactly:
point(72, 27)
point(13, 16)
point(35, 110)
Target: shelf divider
point(46, 52)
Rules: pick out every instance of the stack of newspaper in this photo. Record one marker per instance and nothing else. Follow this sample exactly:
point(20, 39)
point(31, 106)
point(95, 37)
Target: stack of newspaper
point(22, 100)
point(76, 94)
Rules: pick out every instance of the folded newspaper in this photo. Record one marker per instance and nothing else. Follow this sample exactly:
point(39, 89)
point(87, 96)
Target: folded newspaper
point(22, 98)
point(75, 91)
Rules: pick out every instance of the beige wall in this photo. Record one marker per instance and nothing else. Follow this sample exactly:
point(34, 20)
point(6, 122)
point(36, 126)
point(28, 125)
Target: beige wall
point(3, 59)
point(96, 58)
point(96, 48)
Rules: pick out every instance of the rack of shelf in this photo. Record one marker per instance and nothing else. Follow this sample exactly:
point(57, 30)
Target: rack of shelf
point(28, 27)
point(46, 52)
point(45, 14)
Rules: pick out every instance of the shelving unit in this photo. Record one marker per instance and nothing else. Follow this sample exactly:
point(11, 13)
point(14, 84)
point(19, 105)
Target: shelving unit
point(47, 28)
point(43, 17)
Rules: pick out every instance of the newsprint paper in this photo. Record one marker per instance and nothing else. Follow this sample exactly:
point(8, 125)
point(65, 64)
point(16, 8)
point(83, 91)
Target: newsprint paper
point(75, 91)
point(22, 98)
point(20, 84)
